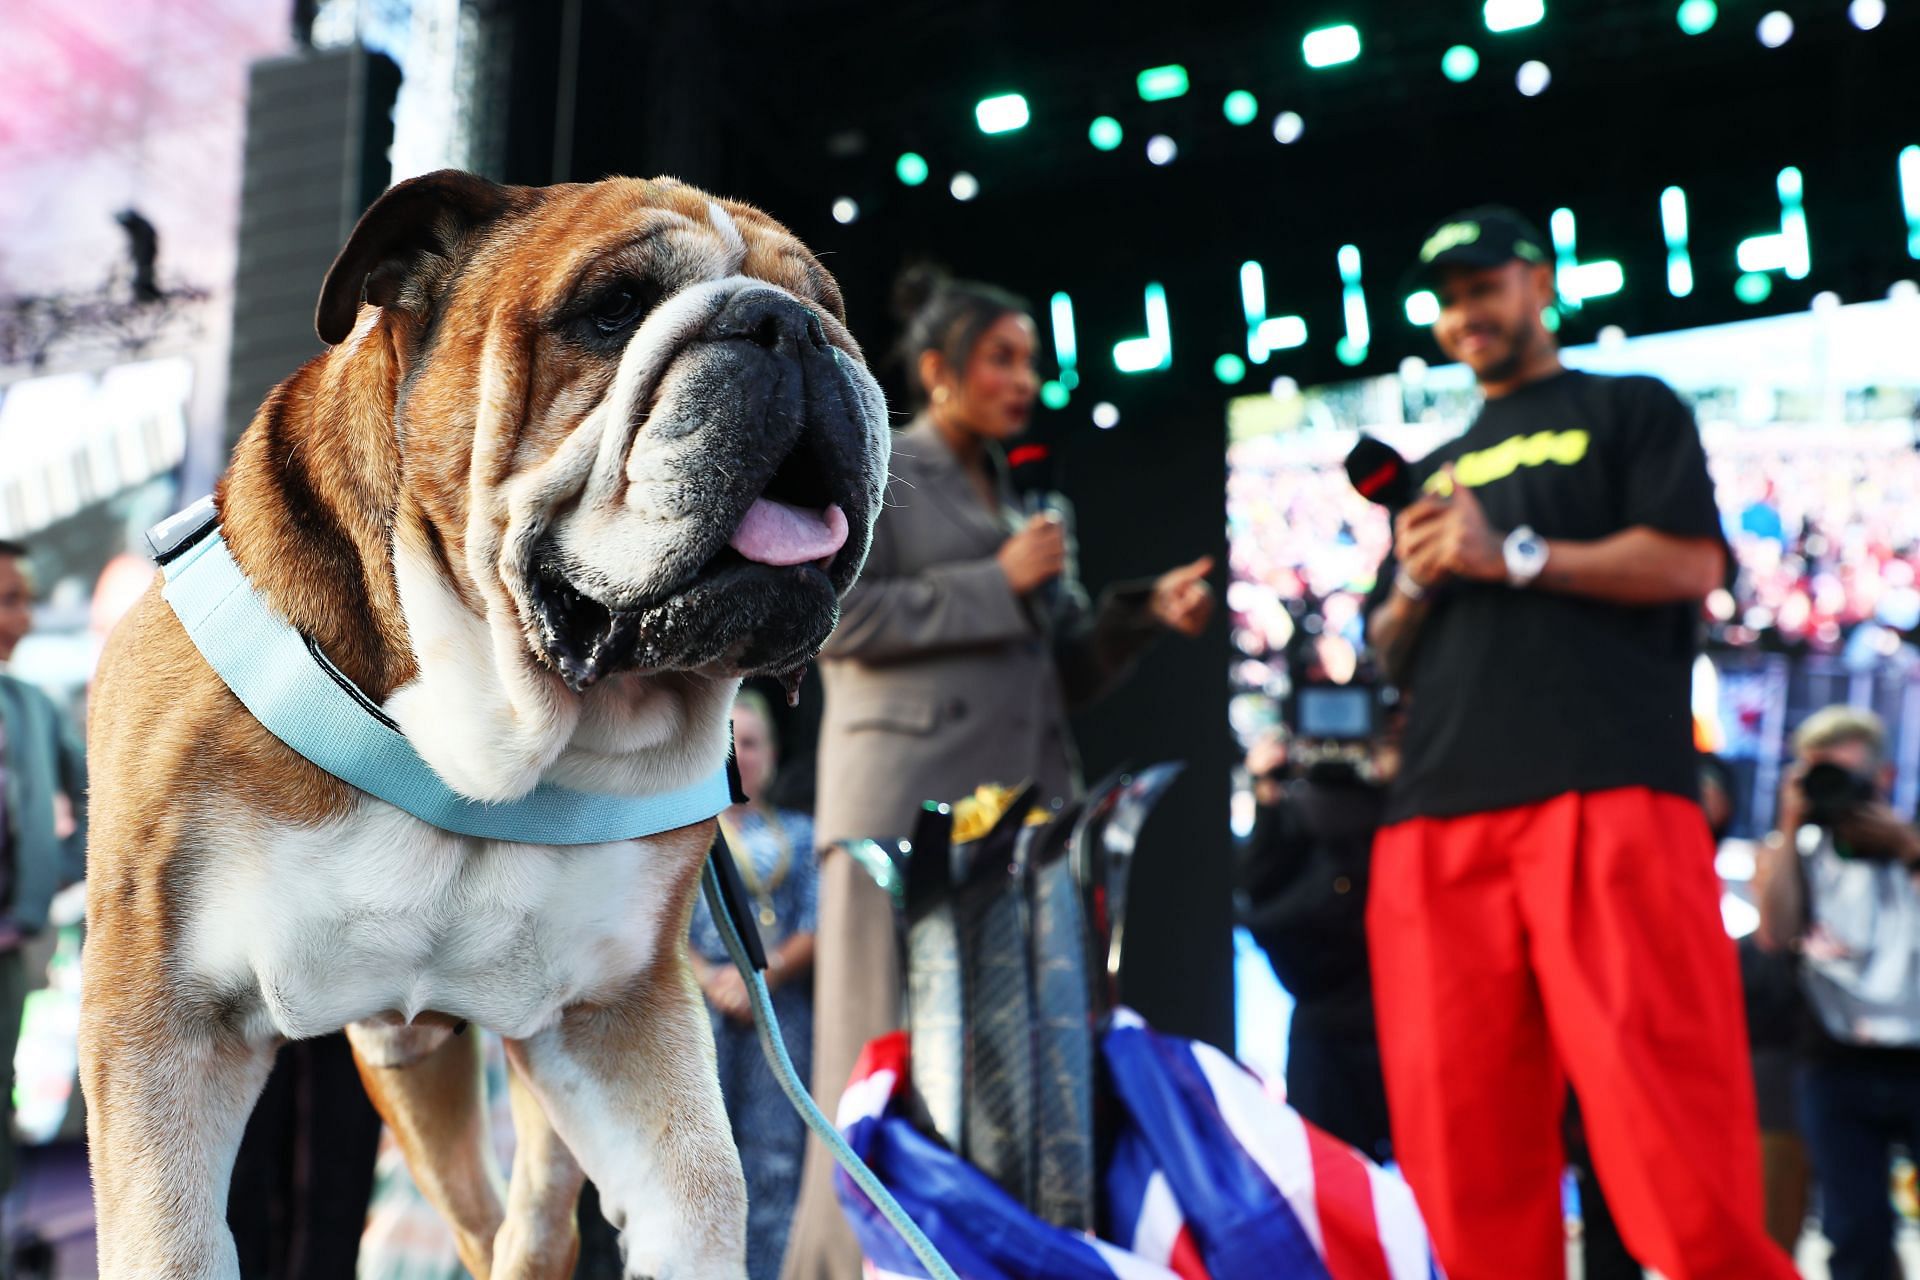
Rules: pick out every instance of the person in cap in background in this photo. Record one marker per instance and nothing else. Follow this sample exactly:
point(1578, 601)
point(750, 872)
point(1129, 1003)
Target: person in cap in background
point(1544, 908)
point(41, 759)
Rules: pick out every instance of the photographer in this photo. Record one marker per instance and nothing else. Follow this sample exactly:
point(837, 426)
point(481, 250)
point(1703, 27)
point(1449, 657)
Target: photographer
point(1303, 879)
point(1836, 885)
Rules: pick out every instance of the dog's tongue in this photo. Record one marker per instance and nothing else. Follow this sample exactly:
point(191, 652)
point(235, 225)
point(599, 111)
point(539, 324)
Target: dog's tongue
point(781, 534)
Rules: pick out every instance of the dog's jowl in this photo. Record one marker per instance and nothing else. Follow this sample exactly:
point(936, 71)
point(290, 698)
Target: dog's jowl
point(576, 460)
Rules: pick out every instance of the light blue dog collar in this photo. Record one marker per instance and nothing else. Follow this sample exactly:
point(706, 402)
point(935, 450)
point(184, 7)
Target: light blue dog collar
point(308, 703)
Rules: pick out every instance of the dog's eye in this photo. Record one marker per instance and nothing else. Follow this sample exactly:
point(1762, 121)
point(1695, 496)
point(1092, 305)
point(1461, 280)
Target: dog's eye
point(615, 310)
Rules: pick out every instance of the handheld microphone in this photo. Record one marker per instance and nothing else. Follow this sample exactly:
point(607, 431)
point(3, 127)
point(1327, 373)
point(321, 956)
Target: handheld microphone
point(1030, 470)
point(1380, 474)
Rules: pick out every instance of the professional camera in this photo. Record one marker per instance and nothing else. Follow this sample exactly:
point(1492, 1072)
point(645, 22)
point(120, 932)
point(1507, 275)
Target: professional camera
point(1834, 792)
point(1336, 726)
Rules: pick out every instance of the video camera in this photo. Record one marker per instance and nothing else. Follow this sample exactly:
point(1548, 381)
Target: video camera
point(1335, 727)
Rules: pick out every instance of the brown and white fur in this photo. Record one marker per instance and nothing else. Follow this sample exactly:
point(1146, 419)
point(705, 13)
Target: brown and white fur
point(533, 398)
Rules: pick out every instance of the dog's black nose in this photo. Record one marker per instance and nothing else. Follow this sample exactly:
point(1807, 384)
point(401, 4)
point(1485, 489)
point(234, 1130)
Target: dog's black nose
point(769, 320)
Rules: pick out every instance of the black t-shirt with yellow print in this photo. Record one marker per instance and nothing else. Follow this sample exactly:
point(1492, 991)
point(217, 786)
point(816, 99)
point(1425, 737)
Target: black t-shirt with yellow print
point(1521, 695)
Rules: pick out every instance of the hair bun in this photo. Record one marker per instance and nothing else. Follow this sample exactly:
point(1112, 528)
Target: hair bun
point(915, 287)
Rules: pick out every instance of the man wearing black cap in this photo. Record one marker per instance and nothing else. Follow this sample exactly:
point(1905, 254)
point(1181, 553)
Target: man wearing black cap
point(1544, 906)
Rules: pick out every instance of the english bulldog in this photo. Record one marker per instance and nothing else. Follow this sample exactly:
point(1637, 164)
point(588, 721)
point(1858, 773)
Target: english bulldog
point(578, 459)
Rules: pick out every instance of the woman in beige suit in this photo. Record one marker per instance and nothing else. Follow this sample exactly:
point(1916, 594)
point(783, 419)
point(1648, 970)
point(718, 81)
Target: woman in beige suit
point(956, 660)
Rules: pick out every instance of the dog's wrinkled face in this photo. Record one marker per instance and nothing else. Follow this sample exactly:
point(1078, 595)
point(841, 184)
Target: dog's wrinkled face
point(672, 452)
point(733, 484)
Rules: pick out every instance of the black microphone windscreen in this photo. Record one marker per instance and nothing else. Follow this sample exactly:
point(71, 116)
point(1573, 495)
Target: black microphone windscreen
point(1380, 474)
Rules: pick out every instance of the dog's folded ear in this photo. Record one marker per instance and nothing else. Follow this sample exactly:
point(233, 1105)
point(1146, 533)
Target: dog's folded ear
point(405, 247)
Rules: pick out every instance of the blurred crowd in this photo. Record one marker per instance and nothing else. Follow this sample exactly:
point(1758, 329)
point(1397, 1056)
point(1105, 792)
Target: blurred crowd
point(1826, 533)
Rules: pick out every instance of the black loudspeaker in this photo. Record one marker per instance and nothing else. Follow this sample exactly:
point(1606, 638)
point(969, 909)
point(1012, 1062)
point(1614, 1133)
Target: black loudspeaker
point(319, 125)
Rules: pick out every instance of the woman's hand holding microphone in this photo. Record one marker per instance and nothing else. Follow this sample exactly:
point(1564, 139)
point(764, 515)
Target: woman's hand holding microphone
point(1036, 555)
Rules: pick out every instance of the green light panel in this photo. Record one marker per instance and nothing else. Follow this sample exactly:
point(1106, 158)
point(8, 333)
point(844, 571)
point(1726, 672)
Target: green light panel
point(1673, 221)
point(1002, 113)
point(1155, 350)
point(1910, 196)
point(1460, 63)
point(1575, 281)
point(1157, 84)
point(1696, 17)
point(911, 168)
point(1330, 46)
point(1561, 228)
point(1352, 348)
point(1266, 334)
point(1785, 250)
point(1066, 347)
point(1512, 15)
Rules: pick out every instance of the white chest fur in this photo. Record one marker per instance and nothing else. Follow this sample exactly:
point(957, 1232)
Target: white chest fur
point(380, 912)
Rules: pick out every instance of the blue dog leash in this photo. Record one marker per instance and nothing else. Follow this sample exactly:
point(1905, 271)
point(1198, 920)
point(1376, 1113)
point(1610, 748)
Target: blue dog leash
point(727, 901)
point(290, 687)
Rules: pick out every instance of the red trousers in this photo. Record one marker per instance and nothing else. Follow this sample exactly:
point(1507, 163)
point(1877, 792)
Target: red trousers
point(1574, 940)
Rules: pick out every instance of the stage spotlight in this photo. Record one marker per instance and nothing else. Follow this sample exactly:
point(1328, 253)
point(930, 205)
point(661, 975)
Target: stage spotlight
point(911, 168)
point(1903, 291)
point(1460, 64)
point(1287, 127)
point(1753, 287)
point(1105, 133)
point(1611, 337)
point(1413, 371)
point(1423, 308)
point(1867, 14)
point(1240, 107)
point(845, 210)
point(1283, 388)
point(1161, 149)
point(1053, 395)
point(1331, 46)
point(1157, 84)
point(1106, 416)
point(1230, 369)
point(1775, 29)
point(1825, 301)
point(1512, 15)
point(964, 186)
point(1001, 114)
point(1533, 78)
point(1696, 17)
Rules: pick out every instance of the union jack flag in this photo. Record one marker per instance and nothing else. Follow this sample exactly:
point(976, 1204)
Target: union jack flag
point(1211, 1178)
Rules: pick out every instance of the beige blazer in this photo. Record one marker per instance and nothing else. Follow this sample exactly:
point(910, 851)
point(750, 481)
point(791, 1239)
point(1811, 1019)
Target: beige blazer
point(939, 678)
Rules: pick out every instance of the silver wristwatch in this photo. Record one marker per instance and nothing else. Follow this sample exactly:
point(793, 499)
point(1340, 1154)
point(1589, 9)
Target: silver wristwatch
point(1526, 555)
